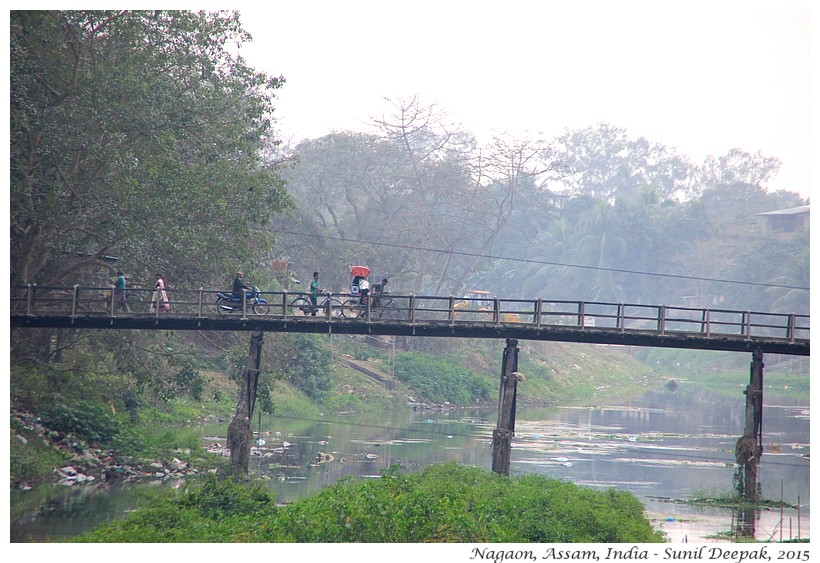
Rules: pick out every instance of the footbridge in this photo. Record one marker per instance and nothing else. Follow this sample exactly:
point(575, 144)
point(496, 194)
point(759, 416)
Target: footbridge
point(418, 315)
point(589, 322)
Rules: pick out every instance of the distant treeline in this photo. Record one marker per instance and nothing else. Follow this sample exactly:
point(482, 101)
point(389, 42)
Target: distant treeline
point(591, 215)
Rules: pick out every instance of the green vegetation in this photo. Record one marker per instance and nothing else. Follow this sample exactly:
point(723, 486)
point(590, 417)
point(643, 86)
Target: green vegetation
point(305, 363)
point(113, 143)
point(441, 503)
point(727, 373)
point(732, 500)
point(440, 381)
point(86, 421)
point(123, 125)
point(31, 459)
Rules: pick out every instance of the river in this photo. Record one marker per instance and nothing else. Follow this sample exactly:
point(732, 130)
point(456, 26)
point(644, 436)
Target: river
point(665, 447)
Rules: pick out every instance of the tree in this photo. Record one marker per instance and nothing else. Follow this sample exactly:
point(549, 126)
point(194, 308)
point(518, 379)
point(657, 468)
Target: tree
point(604, 163)
point(505, 200)
point(136, 135)
point(344, 188)
point(733, 189)
point(432, 155)
point(738, 167)
point(304, 361)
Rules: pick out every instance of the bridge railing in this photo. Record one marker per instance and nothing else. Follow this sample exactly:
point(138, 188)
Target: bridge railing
point(585, 315)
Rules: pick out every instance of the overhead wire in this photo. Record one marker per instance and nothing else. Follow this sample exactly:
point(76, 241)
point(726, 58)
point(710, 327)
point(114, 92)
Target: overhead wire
point(541, 262)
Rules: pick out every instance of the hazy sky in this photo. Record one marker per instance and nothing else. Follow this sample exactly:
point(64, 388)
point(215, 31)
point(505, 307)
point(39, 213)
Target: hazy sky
point(700, 77)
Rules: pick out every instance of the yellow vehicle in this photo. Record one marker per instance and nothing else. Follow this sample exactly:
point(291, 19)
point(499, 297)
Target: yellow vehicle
point(479, 300)
point(476, 300)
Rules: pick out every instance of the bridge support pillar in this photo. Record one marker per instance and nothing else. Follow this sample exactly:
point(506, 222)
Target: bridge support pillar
point(749, 447)
point(240, 432)
point(505, 428)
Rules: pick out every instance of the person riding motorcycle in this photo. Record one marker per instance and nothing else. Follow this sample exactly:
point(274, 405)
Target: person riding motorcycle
point(239, 287)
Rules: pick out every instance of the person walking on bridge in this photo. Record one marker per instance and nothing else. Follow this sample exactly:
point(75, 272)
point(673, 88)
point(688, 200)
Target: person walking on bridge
point(314, 293)
point(159, 300)
point(119, 293)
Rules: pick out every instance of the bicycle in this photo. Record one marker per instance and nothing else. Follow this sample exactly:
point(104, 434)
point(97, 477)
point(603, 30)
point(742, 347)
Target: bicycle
point(136, 304)
point(302, 306)
point(387, 307)
point(99, 300)
point(382, 306)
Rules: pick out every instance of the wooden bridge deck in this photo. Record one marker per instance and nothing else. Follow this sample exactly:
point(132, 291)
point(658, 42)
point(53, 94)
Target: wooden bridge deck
point(432, 316)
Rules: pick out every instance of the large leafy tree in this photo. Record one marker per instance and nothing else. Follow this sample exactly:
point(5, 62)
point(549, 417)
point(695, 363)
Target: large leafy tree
point(605, 163)
point(136, 135)
point(733, 190)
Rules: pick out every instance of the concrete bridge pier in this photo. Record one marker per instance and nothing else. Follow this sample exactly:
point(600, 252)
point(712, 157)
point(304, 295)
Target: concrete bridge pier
point(749, 447)
point(505, 427)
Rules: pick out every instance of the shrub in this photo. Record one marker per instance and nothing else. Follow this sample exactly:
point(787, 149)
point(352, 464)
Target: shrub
point(455, 503)
point(438, 381)
point(441, 503)
point(84, 420)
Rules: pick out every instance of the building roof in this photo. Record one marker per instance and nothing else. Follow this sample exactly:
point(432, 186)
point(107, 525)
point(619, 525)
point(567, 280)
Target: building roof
point(790, 211)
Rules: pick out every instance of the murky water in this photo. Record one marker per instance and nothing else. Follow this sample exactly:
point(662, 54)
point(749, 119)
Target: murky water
point(669, 447)
point(664, 447)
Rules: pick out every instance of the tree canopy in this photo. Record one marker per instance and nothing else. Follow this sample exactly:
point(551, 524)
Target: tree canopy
point(592, 215)
point(137, 135)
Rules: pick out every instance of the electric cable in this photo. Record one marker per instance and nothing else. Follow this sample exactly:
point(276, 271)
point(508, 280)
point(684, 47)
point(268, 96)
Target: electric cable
point(541, 262)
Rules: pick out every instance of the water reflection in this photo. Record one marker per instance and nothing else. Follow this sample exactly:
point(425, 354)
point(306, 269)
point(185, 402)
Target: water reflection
point(665, 446)
point(300, 456)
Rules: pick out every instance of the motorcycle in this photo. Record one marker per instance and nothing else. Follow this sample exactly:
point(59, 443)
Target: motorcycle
point(227, 302)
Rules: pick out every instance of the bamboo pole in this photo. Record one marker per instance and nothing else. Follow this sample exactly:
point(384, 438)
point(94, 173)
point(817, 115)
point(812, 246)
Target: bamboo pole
point(781, 511)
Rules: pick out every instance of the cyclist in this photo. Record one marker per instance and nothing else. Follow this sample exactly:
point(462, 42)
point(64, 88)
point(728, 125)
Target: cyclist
point(378, 290)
